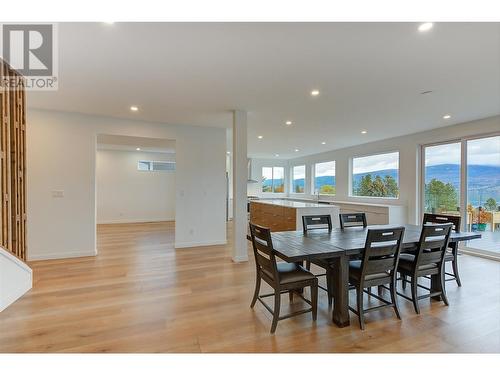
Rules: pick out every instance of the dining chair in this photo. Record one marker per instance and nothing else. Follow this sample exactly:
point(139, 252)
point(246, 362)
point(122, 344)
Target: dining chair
point(428, 260)
point(377, 267)
point(357, 219)
point(281, 276)
point(452, 252)
point(313, 223)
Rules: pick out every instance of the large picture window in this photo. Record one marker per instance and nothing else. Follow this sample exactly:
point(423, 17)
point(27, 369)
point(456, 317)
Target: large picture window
point(376, 175)
point(273, 179)
point(324, 178)
point(298, 179)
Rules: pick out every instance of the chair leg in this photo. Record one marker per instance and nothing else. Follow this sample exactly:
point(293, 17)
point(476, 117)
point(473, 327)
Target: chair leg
point(361, 316)
point(404, 281)
point(394, 299)
point(277, 305)
point(443, 288)
point(314, 300)
point(414, 295)
point(454, 264)
point(308, 265)
point(290, 296)
point(257, 290)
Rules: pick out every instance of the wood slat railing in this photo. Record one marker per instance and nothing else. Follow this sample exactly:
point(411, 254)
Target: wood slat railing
point(13, 161)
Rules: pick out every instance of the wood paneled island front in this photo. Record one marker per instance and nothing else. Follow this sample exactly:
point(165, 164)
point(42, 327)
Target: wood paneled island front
point(281, 215)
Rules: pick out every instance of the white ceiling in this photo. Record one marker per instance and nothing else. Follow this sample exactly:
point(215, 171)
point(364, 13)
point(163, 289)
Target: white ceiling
point(370, 76)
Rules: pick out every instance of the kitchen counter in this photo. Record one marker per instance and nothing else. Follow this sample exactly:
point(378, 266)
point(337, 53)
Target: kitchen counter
point(284, 215)
point(294, 204)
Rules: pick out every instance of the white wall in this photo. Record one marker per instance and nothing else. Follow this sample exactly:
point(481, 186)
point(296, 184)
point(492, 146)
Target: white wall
point(409, 163)
point(61, 150)
point(126, 195)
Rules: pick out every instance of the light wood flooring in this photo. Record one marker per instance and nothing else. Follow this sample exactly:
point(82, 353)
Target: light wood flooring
point(141, 295)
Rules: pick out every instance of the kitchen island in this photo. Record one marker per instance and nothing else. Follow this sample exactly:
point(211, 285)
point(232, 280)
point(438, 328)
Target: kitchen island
point(281, 214)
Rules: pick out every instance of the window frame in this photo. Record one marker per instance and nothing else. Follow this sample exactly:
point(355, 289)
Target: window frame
point(272, 185)
point(292, 186)
point(351, 174)
point(151, 163)
point(313, 177)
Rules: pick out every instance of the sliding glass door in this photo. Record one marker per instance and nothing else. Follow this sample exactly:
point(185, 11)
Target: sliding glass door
point(483, 193)
point(463, 178)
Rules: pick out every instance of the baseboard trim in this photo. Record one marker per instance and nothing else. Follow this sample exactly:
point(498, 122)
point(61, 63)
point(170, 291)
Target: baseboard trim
point(59, 255)
point(135, 221)
point(182, 245)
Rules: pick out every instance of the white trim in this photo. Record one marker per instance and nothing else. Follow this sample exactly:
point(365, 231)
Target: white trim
point(480, 253)
point(240, 259)
point(63, 255)
point(16, 279)
point(135, 221)
point(182, 245)
point(14, 259)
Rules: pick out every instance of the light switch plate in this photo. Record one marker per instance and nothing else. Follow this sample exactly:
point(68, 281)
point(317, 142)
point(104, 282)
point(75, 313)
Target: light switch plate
point(57, 193)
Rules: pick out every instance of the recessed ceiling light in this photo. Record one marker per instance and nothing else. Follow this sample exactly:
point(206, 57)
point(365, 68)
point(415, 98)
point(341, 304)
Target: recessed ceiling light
point(323, 143)
point(134, 108)
point(227, 152)
point(109, 23)
point(288, 123)
point(260, 137)
point(296, 150)
point(315, 92)
point(138, 149)
point(276, 155)
point(363, 132)
point(446, 117)
point(425, 26)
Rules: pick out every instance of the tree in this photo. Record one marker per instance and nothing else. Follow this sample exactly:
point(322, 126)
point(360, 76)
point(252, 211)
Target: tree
point(439, 195)
point(378, 187)
point(490, 204)
point(327, 189)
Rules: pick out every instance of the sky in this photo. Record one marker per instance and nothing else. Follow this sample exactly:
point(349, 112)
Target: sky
point(485, 151)
point(375, 163)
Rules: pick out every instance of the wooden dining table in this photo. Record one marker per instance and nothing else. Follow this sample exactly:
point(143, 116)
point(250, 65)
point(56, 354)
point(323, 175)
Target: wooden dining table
point(338, 246)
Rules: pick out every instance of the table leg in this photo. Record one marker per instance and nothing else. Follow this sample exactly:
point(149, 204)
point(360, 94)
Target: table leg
point(340, 315)
point(436, 286)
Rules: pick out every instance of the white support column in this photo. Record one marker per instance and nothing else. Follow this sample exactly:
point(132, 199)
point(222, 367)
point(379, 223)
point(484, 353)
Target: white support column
point(240, 178)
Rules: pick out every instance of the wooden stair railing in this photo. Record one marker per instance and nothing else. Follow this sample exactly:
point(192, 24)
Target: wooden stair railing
point(13, 161)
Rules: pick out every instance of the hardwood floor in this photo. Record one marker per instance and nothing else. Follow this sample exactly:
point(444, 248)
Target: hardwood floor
point(141, 295)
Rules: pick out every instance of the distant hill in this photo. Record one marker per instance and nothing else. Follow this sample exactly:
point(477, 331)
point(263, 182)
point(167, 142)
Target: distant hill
point(483, 180)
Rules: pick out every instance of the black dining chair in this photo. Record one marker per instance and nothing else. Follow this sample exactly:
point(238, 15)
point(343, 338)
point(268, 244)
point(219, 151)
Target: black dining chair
point(428, 260)
point(357, 219)
point(313, 223)
point(377, 267)
point(281, 276)
point(452, 252)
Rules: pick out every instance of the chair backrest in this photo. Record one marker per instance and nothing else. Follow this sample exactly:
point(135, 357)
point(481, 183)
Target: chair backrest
point(442, 219)
point(434, 240)
point(263, 250)
point(312, 222)
point(352, 220)
point(382, 248)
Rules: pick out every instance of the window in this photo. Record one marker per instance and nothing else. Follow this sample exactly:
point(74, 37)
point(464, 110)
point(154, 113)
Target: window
point(298, 179)
point(155, 166)
point(324, 178)
point(376, 176)
point(273, 179)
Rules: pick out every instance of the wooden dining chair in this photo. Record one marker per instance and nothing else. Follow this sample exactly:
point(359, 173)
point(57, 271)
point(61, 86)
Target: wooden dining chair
point(452, 252)
point(377, 267)
point(281, 276)
point(313, 223)
point(428, 260)
point(357, 219)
